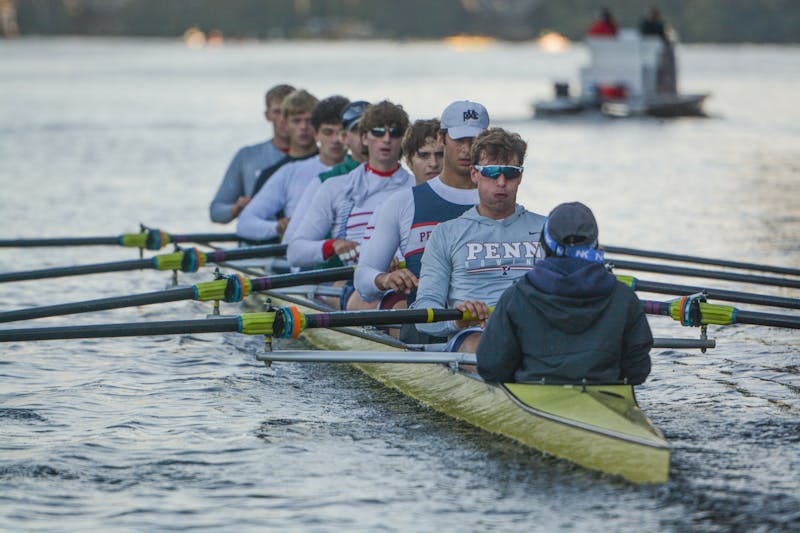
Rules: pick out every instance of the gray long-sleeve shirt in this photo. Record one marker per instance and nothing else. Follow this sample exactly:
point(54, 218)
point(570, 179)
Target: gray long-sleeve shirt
point(241, 177)
point(473, 257)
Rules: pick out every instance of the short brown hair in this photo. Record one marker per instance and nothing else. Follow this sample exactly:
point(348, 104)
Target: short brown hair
point(498, 144)
point(279, 92)
point(298, 101)
point(383, 113)
point(417, 135)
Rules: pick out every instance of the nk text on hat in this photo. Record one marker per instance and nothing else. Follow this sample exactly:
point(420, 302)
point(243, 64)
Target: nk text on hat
point(464, 119)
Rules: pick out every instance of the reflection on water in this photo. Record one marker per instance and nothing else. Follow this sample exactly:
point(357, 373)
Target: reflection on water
point(180, 432)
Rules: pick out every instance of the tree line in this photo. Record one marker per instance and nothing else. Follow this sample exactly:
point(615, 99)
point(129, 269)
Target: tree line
point(721, 21)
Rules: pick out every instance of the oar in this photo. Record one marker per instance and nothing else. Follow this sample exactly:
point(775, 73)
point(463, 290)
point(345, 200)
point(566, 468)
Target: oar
point(693, 311)
point(701, 260)
point(284, 322)
point(714, 294)
point(150, 239)
point(701, 273)
point(186, 260)
point(227, 288)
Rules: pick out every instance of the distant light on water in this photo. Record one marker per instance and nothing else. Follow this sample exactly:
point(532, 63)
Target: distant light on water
point(552, 42)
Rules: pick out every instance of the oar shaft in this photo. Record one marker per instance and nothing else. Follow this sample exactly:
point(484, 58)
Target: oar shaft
point(97, 268)
point(717, 294)
point(767, 319)
point(204, 237)
point(219, 256)
point(301, 278)
point(173, 327)
point(381, 318)
point(700, 273)
point(61, 241)
point(103, 304)
point(701, 260)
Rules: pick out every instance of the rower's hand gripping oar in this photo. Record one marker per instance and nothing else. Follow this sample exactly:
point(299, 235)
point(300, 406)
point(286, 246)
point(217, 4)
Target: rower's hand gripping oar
point(185, 260)
point(228, 288)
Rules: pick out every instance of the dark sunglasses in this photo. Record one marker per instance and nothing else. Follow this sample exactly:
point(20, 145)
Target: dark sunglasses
point(394, 133)
point(493, 171)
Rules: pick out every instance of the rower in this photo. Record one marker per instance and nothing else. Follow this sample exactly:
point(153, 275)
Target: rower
point(423, 149)
point(268, 214)
point(406, 221)
point(470, 260)
point(343, 204)
point(296, 108)
point(357, 154)
point(240, 179)
point(568, 319)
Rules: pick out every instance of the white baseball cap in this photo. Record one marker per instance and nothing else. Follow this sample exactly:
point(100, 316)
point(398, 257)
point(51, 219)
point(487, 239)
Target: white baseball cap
point(464, 119)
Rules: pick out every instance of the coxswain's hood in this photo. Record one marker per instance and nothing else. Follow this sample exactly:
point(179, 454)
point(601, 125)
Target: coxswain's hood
point(571, 293)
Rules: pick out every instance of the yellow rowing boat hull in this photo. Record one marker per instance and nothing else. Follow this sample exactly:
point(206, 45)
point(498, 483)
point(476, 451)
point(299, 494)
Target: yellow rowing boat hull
point(598, 427)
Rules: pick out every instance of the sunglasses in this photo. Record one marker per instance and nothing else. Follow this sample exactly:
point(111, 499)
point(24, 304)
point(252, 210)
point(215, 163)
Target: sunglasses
point(493, 171)
point(394, 133)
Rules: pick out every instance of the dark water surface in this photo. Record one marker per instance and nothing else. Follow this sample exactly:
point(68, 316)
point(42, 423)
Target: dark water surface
point(190, 432)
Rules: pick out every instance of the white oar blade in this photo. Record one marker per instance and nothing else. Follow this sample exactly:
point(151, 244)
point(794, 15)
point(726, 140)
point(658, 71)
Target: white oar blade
point(321, 356)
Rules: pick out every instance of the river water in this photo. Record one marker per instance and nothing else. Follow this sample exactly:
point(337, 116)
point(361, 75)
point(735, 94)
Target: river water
point(190, 432)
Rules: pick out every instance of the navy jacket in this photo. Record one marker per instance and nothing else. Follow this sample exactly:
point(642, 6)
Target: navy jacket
point(566, 320)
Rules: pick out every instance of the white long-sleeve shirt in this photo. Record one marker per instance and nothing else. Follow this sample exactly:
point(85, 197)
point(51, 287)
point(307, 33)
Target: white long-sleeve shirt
point(390, 229)
point(341, 207)
point(282, 192)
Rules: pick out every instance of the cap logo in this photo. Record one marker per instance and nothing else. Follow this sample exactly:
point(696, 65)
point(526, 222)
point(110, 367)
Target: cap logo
point(470, 114)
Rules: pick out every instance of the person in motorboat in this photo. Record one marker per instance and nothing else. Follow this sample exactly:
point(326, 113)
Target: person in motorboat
point(568, 319)
point(604, 25)
point(244, 169)
point(405, 222)
point(337, 216)
point(357, 154)
point(470, 260)
point(269, 212)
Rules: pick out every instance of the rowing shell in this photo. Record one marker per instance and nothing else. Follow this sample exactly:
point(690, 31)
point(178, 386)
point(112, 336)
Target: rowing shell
point(600, 427)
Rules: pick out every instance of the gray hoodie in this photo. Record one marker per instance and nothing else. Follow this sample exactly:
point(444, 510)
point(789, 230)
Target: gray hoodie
point(474, 257)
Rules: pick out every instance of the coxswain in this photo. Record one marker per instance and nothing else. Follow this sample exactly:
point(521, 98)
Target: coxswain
point(568, 319)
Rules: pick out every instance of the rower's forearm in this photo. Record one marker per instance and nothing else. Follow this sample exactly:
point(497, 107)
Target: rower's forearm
point(256, 229)
point(365, 284)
